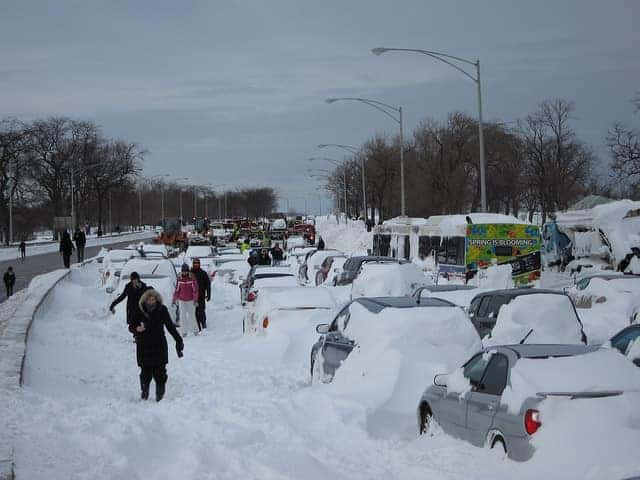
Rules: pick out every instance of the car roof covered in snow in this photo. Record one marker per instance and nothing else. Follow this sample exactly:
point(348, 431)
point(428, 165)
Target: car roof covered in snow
point(516, 292)
point(296, 297)
point(536, 350)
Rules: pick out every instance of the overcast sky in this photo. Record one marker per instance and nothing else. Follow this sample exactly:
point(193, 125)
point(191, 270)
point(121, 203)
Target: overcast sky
point(232, 91)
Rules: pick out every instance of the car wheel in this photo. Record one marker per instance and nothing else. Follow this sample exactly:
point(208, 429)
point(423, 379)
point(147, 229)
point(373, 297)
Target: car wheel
point(425, 418)
point(498, 445)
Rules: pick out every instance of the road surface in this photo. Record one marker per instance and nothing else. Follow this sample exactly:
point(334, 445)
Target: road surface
point(26, 269)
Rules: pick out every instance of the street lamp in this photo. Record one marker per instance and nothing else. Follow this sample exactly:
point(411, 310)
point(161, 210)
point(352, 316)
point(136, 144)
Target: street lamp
point(389, 111)
point(161, 194)
point(355, 151)
point(344, 176)
point(449, 60)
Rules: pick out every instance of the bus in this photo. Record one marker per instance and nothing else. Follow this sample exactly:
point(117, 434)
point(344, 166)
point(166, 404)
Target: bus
point(461, 245)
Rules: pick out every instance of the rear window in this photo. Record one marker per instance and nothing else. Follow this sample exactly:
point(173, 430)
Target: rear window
point(484, 306)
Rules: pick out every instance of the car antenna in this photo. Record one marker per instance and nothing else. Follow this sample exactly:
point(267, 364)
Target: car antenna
point(526, 336)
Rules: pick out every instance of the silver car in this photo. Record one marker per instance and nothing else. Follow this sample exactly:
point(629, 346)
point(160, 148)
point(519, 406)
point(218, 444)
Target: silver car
point(479, 415)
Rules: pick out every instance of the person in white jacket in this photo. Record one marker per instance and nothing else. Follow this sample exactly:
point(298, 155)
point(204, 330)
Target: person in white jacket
point(186, 295)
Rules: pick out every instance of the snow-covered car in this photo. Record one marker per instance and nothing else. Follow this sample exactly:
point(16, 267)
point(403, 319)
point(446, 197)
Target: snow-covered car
point(158, 273)
point(606, 302)
point(112, 264)
point(297, 254)
point(224, 251)
point(150, 248)
point(330, 268)
point(266, 276)
point(234, 271)
point(221, 263)
point(352, 266)
point(286, 308)
point(311, 264)
point(503, 395)
point(381, 279)
point(382, 351)
point(295, 241)
point(536, 315)
point(627, 342)
point(205, 253)
point(460, 294)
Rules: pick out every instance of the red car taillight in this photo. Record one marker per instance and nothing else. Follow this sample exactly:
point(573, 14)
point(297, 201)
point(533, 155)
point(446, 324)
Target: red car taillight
point(251, 296)
point(532, 421)
point(265, 322)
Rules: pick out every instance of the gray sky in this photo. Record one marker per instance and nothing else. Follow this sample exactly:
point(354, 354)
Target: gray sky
point(232, 91)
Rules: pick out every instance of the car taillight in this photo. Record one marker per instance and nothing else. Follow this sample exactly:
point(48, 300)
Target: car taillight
point(532, 421)
point(251, 296)
point(265, 322)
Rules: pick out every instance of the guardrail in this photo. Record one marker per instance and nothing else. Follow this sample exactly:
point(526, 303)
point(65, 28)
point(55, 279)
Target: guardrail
point(13, 345)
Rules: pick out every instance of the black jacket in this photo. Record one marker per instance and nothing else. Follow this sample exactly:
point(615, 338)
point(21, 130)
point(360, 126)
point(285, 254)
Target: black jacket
point(151, 345)
point(66, 245)
point(277, 254)
point(133, 298)
point(321, 244)
point(80, 238)
point(204, 284)
point(9, 279)
point(264, 260)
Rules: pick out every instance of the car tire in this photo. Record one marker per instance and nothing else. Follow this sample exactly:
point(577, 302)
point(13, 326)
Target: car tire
point(498, 443)
point(425, 418)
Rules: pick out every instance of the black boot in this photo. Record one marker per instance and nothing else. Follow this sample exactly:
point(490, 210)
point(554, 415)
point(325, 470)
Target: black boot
point(159, 391)
point(144, 391)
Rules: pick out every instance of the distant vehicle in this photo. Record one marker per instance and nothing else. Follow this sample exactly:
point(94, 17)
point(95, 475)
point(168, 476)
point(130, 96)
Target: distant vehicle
point(275, 306)
point(471, 403)
point(112, 265)
point(295, 241)
point(378, 279)
point(172, 234)
point(352, 266)
point(627, 342)
point(298, 254)
point(233, 271)
point(461, 245)
point(336, 341)
point(485, 307)
point(312, 262)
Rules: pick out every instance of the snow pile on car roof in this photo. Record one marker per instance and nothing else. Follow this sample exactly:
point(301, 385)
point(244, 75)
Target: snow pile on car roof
point(456, 225)
point(549, 317)
point(398, 352)
point(495, 277)
point(388, 280)
point(294, 297)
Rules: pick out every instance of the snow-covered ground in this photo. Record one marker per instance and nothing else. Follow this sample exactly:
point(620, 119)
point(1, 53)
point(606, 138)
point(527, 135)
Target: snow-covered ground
point(351, 238)
point(236, 407)
point(12, 253)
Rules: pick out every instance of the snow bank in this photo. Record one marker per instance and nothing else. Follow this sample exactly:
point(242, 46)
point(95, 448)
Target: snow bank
point(550, 316)
point(351, 237)
point(388, 280)
point(399, 351)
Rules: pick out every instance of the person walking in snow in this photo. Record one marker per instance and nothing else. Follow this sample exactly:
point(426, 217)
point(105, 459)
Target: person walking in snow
point(23, 249)
point(277, 254)
point(66, 248)
point(186, 296)
point(132, 292)
point(9, 281)
point(204, 293)
point(81, 240)
point(253, 258)
point(264, 258)
point(151, 343)
point(320, 243)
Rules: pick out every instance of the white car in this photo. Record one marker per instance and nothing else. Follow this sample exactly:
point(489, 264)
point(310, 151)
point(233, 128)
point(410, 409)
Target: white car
point(286, 307)
point(158, 273)
point(388, 280)
point(233, 271)
point(313, 261)
point(606, 303)
point(204, 253)
point(295, 241)
point(112, 264)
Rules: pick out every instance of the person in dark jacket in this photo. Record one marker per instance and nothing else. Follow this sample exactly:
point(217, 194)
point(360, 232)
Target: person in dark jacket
point(253, 258)
point(204, 293)
point(66, 248)
point(264, 258)
point(9, 281)
point(132, 292)
point(151, 343)
point(277, 254)
point(81, 240)
point(320, 243)
point(23, 249)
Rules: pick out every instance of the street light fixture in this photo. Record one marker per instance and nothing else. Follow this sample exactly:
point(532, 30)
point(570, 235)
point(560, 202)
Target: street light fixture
point(394, 113)
point(449, 60)
point(355, 151)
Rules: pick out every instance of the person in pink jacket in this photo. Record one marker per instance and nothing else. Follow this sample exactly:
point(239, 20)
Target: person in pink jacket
point(186, 295)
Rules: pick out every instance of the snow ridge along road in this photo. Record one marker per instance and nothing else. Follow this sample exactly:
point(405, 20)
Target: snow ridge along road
point(14, 329)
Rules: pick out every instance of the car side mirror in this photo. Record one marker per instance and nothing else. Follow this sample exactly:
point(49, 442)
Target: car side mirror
point(440, 380)
point(323, 328)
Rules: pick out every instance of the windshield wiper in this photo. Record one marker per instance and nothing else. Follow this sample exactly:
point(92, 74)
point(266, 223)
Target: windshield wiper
point(526, 336)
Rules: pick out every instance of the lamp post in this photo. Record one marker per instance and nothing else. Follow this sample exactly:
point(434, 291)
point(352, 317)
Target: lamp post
point(11, 188)
point(355, 151)
point(344, 176)
point(450, 60)
point(395, 113)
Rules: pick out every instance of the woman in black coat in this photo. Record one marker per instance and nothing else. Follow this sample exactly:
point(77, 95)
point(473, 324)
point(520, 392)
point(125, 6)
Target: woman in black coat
point(151, 343)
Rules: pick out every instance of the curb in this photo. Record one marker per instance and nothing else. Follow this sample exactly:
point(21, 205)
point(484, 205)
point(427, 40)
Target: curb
point(13, 346)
